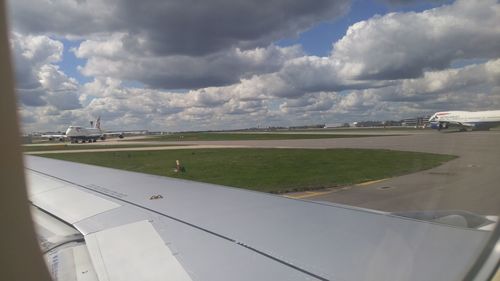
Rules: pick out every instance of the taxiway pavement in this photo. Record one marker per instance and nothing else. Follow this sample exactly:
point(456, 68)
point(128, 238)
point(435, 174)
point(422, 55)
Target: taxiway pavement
point(471, 182)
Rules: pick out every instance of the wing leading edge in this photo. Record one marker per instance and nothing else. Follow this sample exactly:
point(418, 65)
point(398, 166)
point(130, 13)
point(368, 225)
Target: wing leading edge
point(211, 232)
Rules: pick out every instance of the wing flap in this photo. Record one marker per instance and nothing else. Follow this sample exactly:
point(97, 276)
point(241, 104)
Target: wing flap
point(133, 251)
point(64, 200)
point(71, 264)
point(38, 184)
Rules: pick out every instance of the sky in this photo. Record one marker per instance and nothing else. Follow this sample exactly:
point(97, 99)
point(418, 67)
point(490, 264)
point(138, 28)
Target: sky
point(182, 65)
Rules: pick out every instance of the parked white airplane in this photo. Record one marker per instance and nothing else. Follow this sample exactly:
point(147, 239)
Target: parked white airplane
point(76, 133)
point(475, 120)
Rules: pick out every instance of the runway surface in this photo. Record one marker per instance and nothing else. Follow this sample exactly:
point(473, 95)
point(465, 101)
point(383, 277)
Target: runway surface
point(470, 182)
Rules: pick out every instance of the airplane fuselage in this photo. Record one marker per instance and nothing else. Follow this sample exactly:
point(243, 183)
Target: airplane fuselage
point(476, 120)
point(75, 134)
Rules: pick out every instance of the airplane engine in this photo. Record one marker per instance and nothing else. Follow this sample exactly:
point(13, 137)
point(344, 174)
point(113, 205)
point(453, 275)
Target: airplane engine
point(442, 125)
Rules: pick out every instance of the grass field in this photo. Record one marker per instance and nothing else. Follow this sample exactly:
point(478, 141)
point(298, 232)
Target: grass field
point(250, 136)
point(32, 148)
point(268, 170)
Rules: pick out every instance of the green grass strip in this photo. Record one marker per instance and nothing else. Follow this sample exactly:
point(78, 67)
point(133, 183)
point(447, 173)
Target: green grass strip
point(268, 170)
point(65, 146)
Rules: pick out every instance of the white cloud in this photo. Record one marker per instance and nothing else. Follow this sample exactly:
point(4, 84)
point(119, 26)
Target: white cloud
point(387, 67)
point(107, 58)
point(403, 45)
point(61, 90)
point(322, 102)
point(38, 81)
point(30, 53)
point(454, 79)
point(176, 27)
point(371, 54)
point(226, 107)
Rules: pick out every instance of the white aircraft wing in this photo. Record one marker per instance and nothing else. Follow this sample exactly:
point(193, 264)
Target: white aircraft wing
point(114, 134)
point(120, 225)
point(466, 124)
point(54, 136)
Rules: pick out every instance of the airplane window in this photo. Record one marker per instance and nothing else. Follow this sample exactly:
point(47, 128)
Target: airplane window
point(287, 140)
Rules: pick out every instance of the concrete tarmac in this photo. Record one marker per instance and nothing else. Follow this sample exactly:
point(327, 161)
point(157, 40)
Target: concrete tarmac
point(470, 182)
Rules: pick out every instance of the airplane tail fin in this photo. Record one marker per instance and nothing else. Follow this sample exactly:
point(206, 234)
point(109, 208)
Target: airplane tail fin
point(98, 123)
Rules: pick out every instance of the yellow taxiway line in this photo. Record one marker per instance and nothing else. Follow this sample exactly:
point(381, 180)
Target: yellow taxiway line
point(369, 182)
point(306, 194)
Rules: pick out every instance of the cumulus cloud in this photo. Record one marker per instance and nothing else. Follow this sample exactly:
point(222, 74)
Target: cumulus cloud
point(215, 67)
point(39, 82)
point(322, 102)
point(377, 52)
point(177, 44)
point(62, 17)
point(177, 27)
point(234, 107)
point(201, 27)
point(486, 75)
point(30, 54)
point(107, 58)
point(62, 91)
point(301, 76)
point(474, 87)
point(125, 107)
point(404, 45)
